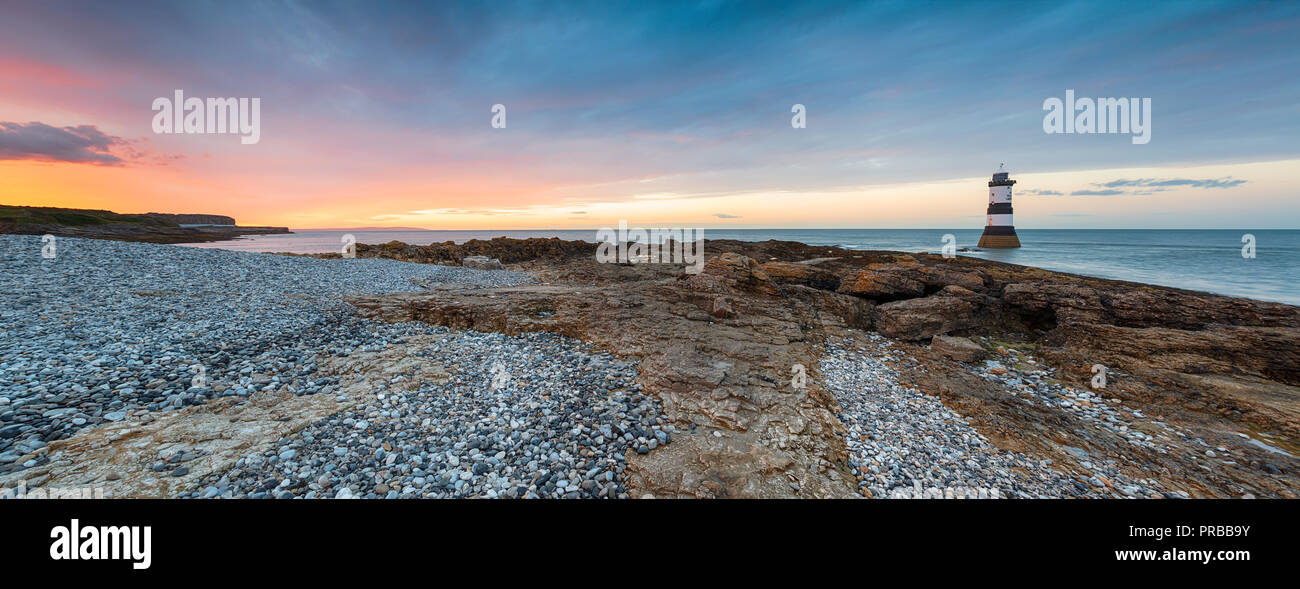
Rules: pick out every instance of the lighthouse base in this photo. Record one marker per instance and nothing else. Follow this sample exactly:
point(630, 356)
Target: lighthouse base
point(992, 241)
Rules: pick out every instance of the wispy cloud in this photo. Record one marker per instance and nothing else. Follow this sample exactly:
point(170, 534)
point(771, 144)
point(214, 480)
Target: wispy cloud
point(1228, 182)
point(725, 216)
point(1036, 192)
point(83, 144)
point(452, 211)
point(1096, 192)
point(1148, 186)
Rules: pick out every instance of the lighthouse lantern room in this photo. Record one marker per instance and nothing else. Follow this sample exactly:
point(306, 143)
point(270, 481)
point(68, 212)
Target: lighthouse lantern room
point(999, 231)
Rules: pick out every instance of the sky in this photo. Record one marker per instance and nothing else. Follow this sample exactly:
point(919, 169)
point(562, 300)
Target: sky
point(661, 114)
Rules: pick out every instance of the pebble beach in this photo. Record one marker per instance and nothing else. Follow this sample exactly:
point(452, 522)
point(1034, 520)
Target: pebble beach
point(108, 331)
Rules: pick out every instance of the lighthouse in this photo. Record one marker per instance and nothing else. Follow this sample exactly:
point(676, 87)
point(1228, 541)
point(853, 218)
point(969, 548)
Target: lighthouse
point(999, 231)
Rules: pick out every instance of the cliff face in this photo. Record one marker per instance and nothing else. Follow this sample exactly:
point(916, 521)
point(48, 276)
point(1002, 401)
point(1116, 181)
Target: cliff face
point(717, 348)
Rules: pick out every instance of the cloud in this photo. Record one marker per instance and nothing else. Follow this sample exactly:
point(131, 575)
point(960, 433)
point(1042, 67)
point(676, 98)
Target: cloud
point(725, 216)
point(1150, 186)
point(1228, 182)
point(1042, 192)
point(1096, 192)
point(84, 144)
point(483, 211)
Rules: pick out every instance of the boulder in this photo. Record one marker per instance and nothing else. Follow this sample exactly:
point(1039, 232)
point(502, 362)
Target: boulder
point(482, 263)
point(1068, 304)
point(740, 272)
point(906, 279)
point(881, 284)
point(953, 290)
point(801, 274)
point(936, 278)
point(919, 319)
point(958, 348)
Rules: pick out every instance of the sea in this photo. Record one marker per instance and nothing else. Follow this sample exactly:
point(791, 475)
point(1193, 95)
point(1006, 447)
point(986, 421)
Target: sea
point(1217, 261)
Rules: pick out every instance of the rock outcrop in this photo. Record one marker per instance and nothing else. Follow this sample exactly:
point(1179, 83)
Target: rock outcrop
point(924, 318)
point(718, 347)
point(880, 285)
point(803, 274)
point(504, 249)
point(482, 263)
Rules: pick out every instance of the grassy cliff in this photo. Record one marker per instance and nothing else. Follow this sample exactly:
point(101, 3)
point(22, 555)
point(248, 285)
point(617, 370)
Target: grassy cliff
point(99, 224)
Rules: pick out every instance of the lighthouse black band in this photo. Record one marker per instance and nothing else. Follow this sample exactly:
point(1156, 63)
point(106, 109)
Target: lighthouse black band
point(1002, 208)
point(999, 230)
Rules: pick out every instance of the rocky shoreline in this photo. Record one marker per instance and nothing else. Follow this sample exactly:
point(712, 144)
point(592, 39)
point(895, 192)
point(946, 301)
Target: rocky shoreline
point(407, 373)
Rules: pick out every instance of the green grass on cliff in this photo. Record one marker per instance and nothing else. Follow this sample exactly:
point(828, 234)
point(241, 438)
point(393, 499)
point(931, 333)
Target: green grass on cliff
point(74, 217)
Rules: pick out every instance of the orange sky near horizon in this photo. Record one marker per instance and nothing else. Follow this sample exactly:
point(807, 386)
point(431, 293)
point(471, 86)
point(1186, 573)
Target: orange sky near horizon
point(955, 203)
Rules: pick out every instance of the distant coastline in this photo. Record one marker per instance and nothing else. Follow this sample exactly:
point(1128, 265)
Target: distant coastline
point(146, 227)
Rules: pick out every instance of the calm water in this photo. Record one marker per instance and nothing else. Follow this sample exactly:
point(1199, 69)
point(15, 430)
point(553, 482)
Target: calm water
point(1207, 260)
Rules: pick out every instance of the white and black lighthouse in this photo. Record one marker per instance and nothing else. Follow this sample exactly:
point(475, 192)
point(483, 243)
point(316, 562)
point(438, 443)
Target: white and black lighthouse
point(999, 231)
